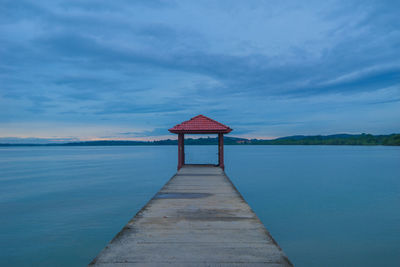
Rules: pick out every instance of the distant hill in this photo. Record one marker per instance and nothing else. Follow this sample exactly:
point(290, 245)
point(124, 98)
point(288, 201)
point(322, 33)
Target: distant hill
point(336, 139)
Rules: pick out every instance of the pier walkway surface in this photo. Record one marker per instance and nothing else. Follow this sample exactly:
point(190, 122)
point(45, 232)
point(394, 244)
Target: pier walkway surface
point(197, 219)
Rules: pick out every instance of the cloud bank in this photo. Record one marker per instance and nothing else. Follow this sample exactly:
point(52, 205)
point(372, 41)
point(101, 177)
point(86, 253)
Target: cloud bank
point(73, 69)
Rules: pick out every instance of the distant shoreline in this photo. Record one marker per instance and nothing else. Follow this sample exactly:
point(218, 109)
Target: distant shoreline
point(336, 139)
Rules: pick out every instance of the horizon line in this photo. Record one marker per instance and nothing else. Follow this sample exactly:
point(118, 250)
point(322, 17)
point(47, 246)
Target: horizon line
point(67, 140)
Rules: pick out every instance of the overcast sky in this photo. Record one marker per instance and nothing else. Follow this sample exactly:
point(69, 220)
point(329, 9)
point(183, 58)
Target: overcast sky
point(101, 69)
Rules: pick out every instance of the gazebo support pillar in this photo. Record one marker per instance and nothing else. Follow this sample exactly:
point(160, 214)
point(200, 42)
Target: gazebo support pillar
point(221, 150)
point(181, 150)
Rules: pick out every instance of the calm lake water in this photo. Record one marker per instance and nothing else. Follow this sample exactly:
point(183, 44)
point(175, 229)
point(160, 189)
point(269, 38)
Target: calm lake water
point(325, 205)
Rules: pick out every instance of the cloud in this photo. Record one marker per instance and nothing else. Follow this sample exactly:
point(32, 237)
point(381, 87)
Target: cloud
point(154, 132)
point(266, 67)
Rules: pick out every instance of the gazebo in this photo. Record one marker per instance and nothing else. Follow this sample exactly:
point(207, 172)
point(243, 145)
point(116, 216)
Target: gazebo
point(200, 125)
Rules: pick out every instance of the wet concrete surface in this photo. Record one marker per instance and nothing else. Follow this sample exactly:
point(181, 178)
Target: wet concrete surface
point(197, 219)
point(181, 195)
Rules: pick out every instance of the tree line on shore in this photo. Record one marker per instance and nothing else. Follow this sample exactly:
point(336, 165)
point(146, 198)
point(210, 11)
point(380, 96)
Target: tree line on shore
point(337, 139)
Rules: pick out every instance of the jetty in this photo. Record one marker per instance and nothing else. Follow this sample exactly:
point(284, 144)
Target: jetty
point(198, 218)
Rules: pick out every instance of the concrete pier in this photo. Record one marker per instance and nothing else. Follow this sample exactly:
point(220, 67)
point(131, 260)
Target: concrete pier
point(197, 219)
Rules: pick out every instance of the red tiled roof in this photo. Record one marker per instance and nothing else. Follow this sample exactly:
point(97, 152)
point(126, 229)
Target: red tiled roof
point(200, 124)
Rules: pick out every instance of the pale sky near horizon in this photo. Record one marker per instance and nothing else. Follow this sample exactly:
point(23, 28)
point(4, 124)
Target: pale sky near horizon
point(98, 69)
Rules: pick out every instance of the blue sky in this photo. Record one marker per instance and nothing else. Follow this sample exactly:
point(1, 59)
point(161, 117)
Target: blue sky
point(101, 69)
